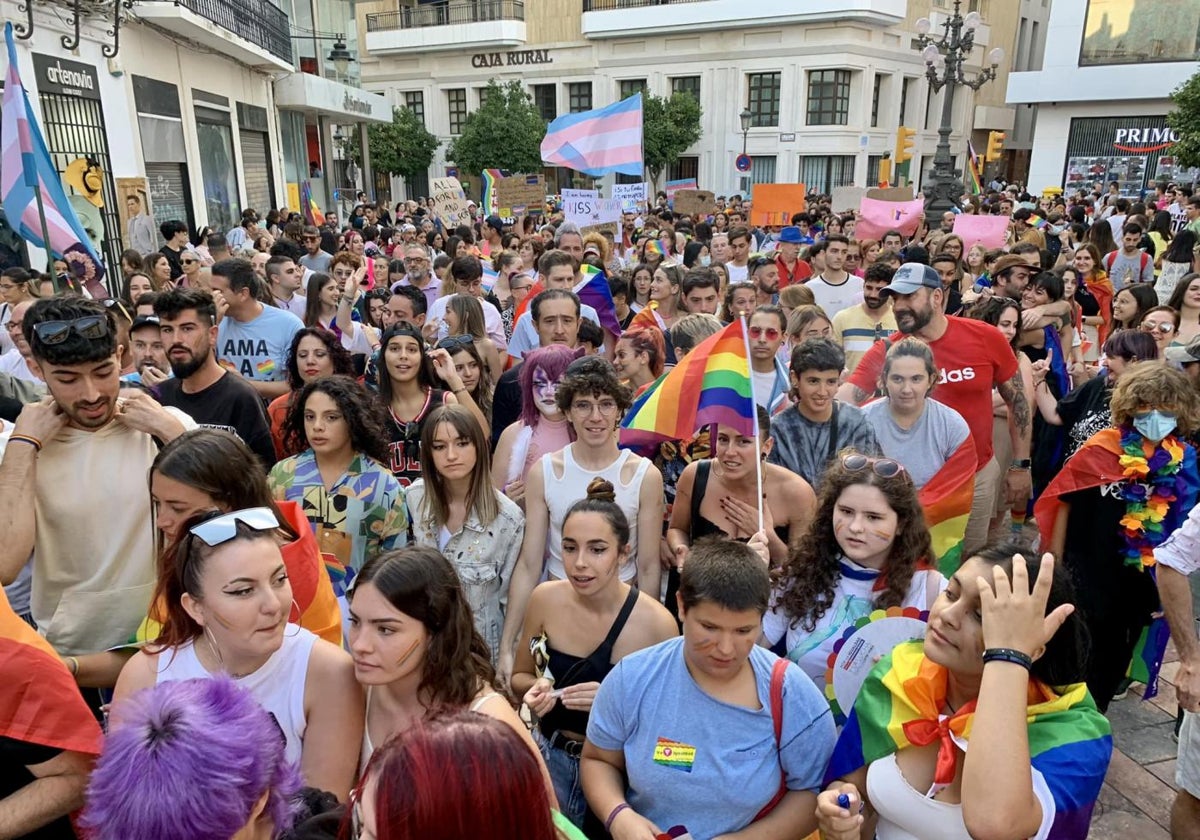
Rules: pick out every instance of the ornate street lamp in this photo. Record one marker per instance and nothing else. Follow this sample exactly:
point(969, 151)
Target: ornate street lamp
point(944, 57)
point(745, 117)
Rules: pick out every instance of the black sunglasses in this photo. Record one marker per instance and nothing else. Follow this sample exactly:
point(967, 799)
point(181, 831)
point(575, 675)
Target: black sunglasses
point(454, 342)
point(56, 332)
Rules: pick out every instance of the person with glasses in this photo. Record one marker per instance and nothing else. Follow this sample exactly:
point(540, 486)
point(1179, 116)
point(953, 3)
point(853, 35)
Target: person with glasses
point(193, 273)
point(768, 374)
point(16, 286)
point(866, 549)
point(315, 257)
point(18, 362)
point(1162, 323)
point(228, 610)
point(418, 265)
point(329, 304)
point(100, 444)
point(466, 275)
point(593, 399)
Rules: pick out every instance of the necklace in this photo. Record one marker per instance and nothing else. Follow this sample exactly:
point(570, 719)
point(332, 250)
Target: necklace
point(1151, 487)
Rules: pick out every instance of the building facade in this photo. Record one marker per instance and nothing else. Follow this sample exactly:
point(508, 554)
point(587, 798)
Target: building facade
point(827, 82)
point(1103, 93)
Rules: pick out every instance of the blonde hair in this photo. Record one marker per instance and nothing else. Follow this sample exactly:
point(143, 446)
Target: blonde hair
point(795, 296)
point(802, 317)
point(1153, 383)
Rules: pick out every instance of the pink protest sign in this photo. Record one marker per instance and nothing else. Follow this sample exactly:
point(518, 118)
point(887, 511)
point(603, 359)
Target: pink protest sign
point(988, 231)
point(878, 217)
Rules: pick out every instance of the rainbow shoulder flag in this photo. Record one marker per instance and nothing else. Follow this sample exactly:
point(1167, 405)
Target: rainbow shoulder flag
point(709, 385)
point(593, 290)
point(974, 170)
point(946, 499)
point(1070, 742)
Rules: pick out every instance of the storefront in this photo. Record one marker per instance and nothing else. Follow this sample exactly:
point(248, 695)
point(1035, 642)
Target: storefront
point(160, 123)
point(1132, 152)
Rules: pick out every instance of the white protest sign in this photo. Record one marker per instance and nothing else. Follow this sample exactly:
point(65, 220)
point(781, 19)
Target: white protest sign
point(629, 195)
point(579, 202)
point(449, 201)
point(592, 211)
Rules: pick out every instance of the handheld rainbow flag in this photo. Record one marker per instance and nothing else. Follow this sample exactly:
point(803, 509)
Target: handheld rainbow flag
point(593, 290)
point(1037, 221)
point(946, 499)
point(1070, 742)
point(710, 385)
point(488, 198)
point(974, 170)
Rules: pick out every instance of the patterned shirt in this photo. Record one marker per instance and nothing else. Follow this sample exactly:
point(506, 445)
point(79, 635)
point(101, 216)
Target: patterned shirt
point(363, 514)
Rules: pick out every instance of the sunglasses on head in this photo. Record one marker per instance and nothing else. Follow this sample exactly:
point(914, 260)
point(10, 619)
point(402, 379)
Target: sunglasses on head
point(222, 527)
point(454, 342)
point(56, 332)
point(882, 467)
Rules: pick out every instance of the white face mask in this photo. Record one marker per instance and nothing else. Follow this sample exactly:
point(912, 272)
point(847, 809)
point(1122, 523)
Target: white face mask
point(706, 260)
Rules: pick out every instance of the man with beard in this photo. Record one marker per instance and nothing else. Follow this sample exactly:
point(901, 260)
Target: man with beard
point(419, 274)
point(764, 274)
point(202, 388)
point(73, 486)
point(149, 355)
point(860, 326)
point(973, 358)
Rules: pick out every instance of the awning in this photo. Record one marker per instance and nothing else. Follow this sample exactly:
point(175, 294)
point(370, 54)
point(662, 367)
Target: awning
point(323, 97)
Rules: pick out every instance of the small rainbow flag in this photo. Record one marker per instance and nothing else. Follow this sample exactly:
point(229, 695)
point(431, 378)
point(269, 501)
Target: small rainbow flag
point(710, 385)
point(655, 246)
point(648, 316)
point(593, 290)
point(1036, 221)
point(490, 276)
point(946, 499)
point(974, 170)
point(1070, 742)
point(490, 178)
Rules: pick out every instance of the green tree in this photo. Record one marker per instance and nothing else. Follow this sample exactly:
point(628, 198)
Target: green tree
point(670, 127)
point(1185, 119)
point(402, 147)
point(505, 133)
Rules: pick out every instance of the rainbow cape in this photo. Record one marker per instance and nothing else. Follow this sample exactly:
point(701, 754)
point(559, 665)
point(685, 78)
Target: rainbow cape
point(1070, 742)
point(593, 290)
point(648, 316)
point(946, 499)
point(710, 385)
point(40, 703)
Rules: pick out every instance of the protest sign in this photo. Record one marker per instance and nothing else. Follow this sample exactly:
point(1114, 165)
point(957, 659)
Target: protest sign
point(520, 194)
point(589, 209)
point(878, 217)
point(630, 195)
point(988, 231)
point(449, 201)
point(774, 204)
point(695, 202)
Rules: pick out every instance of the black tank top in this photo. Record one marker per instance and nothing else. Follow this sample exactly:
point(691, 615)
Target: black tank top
point(705, 527)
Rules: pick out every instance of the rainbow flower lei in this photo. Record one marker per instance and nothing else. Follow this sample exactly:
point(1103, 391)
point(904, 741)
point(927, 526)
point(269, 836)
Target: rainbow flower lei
point(1142, 524)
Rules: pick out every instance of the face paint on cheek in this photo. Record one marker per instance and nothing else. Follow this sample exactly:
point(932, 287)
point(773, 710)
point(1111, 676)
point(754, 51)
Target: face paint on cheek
point(839, 527)
point(883, 535)
point(408, 653)
point(706, 644)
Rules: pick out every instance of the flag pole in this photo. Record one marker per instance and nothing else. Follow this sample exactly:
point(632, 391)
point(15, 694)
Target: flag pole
point(37, 194)
point(754, 416)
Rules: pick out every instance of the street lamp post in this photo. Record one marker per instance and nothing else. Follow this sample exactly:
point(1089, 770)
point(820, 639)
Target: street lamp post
point(944, 57)
point(745, 117)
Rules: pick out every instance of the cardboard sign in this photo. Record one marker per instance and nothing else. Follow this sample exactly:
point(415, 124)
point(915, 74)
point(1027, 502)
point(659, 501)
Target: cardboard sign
point(695, 202)
point(988, 231)
point(520, 194)
point(890, 193)
point(774, 204)
point(607, 227)
point(630, 195)
point(845, 199)
point(449, 201)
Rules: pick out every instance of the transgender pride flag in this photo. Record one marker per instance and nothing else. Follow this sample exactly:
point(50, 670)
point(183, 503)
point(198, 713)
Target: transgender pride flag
point(598, 142)
point(25, 166)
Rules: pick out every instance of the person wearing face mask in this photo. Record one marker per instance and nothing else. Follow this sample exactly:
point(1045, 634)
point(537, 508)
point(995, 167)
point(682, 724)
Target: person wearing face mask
point(1141, 473)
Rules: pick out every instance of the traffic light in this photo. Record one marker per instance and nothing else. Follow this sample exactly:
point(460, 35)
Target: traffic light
point(995, 147)
point(904, 144)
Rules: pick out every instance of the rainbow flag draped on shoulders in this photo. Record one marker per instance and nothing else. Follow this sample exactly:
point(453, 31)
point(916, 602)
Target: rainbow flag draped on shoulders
point(1070, 742)
point(593, 290)
point(710, 385)
point(946, 499)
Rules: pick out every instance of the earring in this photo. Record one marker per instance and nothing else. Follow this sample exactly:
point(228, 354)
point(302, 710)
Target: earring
point(212, 643)
point(295, 623)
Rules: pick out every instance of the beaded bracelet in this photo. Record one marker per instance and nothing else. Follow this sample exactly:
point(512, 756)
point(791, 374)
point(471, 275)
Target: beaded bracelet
point(30, 439)
point(612, 815)
point(1016, 657)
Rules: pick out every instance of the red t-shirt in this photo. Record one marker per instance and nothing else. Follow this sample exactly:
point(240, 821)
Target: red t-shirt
point(972, 358)
point(801, 271)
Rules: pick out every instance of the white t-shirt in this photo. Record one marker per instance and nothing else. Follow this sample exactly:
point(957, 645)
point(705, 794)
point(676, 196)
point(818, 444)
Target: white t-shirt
point(764, 387)
point(491, 320)
point(853, 599)
point(833, 298)
point(737, 274)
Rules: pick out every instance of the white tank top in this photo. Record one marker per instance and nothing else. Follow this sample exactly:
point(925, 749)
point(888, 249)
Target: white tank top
point(562, 493)
point(902, 809)
point(278, 685)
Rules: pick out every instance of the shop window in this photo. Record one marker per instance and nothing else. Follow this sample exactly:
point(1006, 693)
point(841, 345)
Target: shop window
point(763, 101)
point(579, 97)
point(1126, 32)
point(214, 136)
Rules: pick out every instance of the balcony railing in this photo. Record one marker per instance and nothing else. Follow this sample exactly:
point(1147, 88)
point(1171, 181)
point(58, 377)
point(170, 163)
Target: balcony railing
point(446, 13)
point(614, 5)
point(257, 21)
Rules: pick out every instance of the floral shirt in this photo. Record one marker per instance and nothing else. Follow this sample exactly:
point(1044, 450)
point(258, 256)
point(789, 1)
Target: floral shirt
point(361, 515)
point(483, 556)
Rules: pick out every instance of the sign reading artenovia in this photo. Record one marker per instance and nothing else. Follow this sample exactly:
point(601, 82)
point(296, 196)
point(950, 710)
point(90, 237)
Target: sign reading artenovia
point(54, 75)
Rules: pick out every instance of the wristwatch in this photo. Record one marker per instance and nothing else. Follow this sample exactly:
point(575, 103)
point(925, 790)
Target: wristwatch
point(1020, 464)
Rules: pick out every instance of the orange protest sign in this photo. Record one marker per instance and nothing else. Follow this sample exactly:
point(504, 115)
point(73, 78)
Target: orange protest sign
point(774, 204)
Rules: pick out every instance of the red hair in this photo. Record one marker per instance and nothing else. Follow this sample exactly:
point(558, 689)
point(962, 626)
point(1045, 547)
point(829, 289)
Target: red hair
point(454, 775)
point(648, 340)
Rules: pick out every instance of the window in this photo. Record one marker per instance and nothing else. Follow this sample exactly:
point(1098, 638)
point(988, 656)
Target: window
point(875, 94)
point(579, 97)
point(905, 85)
point(414, 100)
point(764, 99)
point(483, 95)
point(821, 173)
point(683, 168)
point(828, 97)
point(628, 87)
point(762, 169)
point(1126, 32)
point(545, 98)
point(457, 100)
point(873, 170)
point(686, 84)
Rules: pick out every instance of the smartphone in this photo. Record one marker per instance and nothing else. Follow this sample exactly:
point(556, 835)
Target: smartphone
point(368, 282)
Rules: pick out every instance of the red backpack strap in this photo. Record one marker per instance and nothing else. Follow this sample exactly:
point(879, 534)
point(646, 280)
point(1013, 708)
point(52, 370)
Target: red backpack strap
point(778, 674)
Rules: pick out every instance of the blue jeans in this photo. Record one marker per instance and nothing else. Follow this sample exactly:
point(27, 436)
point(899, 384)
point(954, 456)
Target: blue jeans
point(564, 772)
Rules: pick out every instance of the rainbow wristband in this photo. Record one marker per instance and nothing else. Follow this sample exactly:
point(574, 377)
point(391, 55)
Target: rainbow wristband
point(30, 439)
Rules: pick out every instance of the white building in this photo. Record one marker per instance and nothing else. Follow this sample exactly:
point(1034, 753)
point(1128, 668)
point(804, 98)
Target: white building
point(1102, 92)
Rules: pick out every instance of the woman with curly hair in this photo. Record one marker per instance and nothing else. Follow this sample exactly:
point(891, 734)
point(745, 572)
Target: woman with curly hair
point(351, 499)
point(315, 352)
point(413, 638)
point(865, 550)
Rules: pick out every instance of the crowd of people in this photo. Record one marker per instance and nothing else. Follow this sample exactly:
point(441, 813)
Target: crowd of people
point(332, 530)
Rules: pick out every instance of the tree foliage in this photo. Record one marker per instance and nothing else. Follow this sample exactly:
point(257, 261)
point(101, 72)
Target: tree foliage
point(670, 127)
point(504, 133)
point(402, 147)
point(1185, 120)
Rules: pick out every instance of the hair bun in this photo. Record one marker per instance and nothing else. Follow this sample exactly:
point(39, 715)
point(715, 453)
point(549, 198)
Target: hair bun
point(601, 490)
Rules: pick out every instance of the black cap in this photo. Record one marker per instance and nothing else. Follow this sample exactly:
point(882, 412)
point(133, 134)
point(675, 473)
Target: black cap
point(144, 321)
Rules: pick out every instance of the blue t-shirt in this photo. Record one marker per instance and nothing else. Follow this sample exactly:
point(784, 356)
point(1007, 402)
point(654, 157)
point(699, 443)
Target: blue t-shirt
point(258, 349)
point(698, 762)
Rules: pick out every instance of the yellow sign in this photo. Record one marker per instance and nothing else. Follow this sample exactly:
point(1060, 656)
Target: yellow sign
point(293, 193)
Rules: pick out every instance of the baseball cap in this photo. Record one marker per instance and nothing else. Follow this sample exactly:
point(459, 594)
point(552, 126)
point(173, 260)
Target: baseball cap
point(144, 321)
point(912, 276)
point(495, 222)
point(1186, 354)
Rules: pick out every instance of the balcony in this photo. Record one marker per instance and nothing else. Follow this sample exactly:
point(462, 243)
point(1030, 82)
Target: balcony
point(448, 25)
point(254, 32)
point(624, 18)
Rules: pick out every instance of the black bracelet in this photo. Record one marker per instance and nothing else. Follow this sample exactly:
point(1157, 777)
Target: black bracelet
point(1016, 657)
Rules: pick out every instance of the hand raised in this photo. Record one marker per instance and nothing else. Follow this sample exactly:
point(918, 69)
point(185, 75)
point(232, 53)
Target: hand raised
point(1014, 615)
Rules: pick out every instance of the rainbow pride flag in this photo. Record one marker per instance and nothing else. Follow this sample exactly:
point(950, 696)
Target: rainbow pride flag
point(1070, 742)
point(488, 197)
point(710, 385)
point(974, 170)
point(1037, 221)
point(648, 316)
point(946, 499)
point(593, 290)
